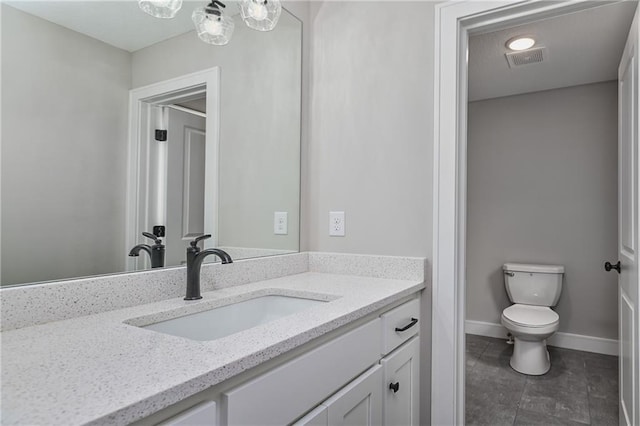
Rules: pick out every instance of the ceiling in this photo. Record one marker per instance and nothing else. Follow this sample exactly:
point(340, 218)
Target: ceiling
point(199, 105)
point(119, 23)
point(581, 48)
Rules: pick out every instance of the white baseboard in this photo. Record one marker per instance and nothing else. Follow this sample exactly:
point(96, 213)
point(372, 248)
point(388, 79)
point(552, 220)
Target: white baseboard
point(562, 340)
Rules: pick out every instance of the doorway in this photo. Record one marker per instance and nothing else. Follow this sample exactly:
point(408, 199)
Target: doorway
point(454, 24)
point(542, 189)
point(172, 188)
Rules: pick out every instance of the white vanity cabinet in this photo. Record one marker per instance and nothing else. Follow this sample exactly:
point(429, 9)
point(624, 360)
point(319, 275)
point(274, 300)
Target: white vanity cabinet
point(368, 375)
point(388, 393)
point(401, 364)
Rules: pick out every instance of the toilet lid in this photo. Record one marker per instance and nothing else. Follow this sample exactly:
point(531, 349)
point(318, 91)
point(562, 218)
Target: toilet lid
point(530, 316)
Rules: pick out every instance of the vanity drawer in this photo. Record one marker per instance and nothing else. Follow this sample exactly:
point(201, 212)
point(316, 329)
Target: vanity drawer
point(399, 325)
point(203, 414)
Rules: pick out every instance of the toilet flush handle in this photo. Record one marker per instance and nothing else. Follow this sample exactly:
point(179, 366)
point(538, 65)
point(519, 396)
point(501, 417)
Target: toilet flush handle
point(511, 274)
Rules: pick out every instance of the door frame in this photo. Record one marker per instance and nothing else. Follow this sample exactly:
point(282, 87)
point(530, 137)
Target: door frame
point(454, 22)
point(141, 119)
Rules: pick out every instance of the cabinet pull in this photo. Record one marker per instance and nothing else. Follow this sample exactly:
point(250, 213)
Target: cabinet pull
point(413, 322)
point(395, 387)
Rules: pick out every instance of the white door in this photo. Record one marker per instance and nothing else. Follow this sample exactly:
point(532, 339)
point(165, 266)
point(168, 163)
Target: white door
point(185, 183)
point(628, 186)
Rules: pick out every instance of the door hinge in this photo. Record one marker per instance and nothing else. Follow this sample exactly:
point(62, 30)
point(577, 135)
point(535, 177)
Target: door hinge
point(159, 231)
point(161, 135)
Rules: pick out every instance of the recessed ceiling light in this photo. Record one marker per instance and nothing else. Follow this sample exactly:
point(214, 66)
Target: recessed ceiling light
point(520, 43)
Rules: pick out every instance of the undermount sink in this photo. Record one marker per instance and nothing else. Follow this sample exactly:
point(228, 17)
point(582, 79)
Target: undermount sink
point(225, 320)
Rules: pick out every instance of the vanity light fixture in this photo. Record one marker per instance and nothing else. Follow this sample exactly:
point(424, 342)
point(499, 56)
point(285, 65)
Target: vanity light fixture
point(161, 8)
point(261, 15)
point(213, 26)
point(521, 43)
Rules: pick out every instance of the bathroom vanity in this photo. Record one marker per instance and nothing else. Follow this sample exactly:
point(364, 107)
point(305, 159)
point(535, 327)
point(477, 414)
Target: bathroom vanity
point(363, 374)
point(351, 357)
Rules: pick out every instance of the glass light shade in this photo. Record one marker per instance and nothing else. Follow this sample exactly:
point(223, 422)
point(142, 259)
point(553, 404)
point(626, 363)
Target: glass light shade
point(261, 15)
point(212, 28)
point(161, 8)
point(520, 43)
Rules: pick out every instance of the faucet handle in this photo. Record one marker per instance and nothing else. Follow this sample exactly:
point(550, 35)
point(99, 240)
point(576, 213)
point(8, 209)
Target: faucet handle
point(153, 237)
point(195, 242)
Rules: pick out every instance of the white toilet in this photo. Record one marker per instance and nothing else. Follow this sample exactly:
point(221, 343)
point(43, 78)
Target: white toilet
point(533, 289)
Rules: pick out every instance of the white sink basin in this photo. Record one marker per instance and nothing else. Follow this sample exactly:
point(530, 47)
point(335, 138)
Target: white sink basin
point(225, 320)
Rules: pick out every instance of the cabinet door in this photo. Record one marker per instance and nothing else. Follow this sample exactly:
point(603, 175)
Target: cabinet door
point(318, 417)
point(402, 385)
point(359, 403)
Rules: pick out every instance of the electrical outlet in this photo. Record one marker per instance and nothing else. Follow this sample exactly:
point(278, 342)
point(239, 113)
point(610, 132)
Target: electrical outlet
point(336, 224)
point(280, 223)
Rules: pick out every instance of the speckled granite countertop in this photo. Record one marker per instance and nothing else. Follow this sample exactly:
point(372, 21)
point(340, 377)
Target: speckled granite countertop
point(98, 369)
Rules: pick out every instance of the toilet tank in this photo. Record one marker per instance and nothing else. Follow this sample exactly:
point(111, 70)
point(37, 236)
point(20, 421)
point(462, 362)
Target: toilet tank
point(531, 284)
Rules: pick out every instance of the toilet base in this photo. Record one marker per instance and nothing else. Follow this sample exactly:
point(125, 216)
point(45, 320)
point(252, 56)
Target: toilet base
point(530, 357)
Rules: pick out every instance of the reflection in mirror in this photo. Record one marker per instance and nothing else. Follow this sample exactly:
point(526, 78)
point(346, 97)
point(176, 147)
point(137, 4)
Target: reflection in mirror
point(69, 180)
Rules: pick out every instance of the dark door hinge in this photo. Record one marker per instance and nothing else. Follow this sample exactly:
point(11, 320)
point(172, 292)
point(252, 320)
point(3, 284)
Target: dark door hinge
point(159, 230)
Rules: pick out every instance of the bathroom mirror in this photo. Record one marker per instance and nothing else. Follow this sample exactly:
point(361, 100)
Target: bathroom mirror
point(68, 69)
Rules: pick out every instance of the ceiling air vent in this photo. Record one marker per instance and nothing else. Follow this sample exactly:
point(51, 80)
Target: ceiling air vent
point(526, 57)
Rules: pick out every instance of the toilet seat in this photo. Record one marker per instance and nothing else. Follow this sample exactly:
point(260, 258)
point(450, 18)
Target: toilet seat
point(530, 316)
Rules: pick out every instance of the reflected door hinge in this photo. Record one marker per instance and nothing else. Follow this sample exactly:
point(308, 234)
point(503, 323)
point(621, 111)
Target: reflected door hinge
point(159, 231)
point(161, 135)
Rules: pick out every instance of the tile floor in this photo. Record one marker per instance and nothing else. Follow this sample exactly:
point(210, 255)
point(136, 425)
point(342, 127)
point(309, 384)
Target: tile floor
point(581, 388)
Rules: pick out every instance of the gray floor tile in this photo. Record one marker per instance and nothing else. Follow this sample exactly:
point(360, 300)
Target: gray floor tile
point(496, 367)
point(580, 388)
point(566, 357)
point(527, 418)
point(476, 344)
point(604, 412)
point(564, 398)
point(498, 348)
point(567, 372)
point(490, 401)
point(470, 361)
point(603, 383)
point(600, 361)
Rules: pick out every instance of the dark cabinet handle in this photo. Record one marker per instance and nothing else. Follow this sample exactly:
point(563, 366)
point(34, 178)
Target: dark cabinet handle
point(608, 266)
point(395, 387)
point(413, 322)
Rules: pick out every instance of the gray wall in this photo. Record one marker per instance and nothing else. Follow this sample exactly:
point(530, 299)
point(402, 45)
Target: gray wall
point(370, 141)
point(260, 124)
point(542, 188)
point(62, 203)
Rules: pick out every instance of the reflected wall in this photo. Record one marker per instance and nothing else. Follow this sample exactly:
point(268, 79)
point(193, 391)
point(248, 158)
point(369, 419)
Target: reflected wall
point(64, 140)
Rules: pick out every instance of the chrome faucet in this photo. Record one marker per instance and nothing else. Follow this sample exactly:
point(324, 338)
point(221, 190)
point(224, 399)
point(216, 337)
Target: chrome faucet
point(195, 257)
point(155, 252)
